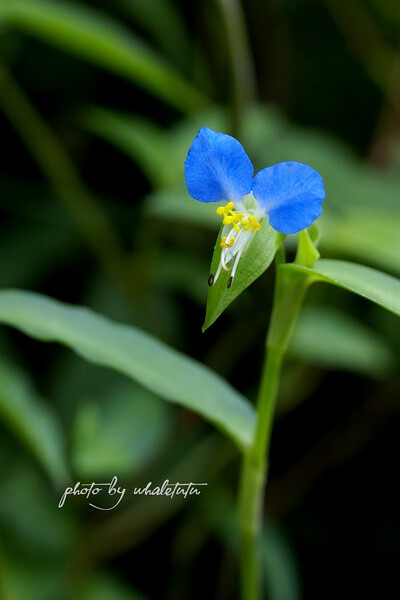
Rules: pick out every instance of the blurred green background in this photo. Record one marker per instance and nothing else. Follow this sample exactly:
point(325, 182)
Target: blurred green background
point(99, 102)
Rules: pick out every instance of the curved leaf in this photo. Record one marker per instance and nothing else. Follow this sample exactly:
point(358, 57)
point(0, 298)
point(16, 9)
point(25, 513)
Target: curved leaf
point(168, 373)
point(99, 39)
point(140, 139)
point(336, 340)
point(168, 30)
point(374, 285)
point(364, 234)
point(32, 421)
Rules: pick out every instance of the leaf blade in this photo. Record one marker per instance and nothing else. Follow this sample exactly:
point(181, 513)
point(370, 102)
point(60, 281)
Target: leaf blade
point(104, 42)
point(165, 371)
point(380, 288)
point(333, 339)
point(32, 421)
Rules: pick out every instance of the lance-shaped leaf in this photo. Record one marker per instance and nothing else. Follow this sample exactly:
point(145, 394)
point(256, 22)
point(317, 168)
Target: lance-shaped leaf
point(101, 40)
point(374, 285)
point(32, 421)
point(168, 373)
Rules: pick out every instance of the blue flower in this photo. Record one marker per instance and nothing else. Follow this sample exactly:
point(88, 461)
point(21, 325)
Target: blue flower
point(218, 169)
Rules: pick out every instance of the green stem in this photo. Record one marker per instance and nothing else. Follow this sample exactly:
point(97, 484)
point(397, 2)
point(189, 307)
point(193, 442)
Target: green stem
point(289, 293)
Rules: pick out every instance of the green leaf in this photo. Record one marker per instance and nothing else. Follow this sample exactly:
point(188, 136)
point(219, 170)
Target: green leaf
point(148, 144)
point(30, 251)
point(281, 571)
point(32, 421)
point(29, 513)
point(140, 139)
point(374, 285)
point(176, 205)
point(252, 264)
point(120, 432)
point(33, 575)
point(99, 39)
point(168, 30)
point(307, 253)
point(333, 339)
point(364, 234)
point(165, 371)
point(104, 586)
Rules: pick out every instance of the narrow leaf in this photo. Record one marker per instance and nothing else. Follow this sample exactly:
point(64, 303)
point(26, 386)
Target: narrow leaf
point(104, 586)
point(32, 421)
point(374, 285)
point(279, 563)
point(168, 373)
point(168, 30)
point(336, 340)
point(98, 38)
point(364, 234)
point(140, 139)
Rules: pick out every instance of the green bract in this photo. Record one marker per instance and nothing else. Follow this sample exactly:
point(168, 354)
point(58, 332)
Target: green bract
point(255, 261)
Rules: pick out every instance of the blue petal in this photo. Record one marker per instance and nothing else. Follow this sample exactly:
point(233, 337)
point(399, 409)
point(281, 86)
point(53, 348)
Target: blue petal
point(291, 195)
point(217, 168)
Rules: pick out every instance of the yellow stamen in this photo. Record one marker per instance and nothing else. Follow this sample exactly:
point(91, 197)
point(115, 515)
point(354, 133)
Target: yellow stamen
point(238, 220)
point(224, 244)
point(223, 210)
point(249, 222)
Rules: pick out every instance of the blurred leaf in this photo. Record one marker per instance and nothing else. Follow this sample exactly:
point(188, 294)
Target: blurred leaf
point(176, 205)
point(194, 458)
point(6, 586)
point(168, 29)
point(252, 264)
point(108, 587)
point(335, 340)
point(184, 273)
point(33, 526)
point(32, 421)
point(374, 285)
point(389, 9)
point(29, 252)
point(165, 371)
point(298, 382)
point(140, 139)
point(148, 145)
point(40, 577)
point(365, 234)
point(280, 568)
point(99, 39)
point(121, 434)
point(36, 536)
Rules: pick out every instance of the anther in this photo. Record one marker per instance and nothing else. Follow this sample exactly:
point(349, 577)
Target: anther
point(224, 244)
point(211, 280)
point(230, 280)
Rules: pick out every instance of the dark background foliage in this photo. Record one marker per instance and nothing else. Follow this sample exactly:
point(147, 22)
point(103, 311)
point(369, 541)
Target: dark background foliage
point(95, 213)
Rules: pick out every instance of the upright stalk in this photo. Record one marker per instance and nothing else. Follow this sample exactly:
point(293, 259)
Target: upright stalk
point(289, 293)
